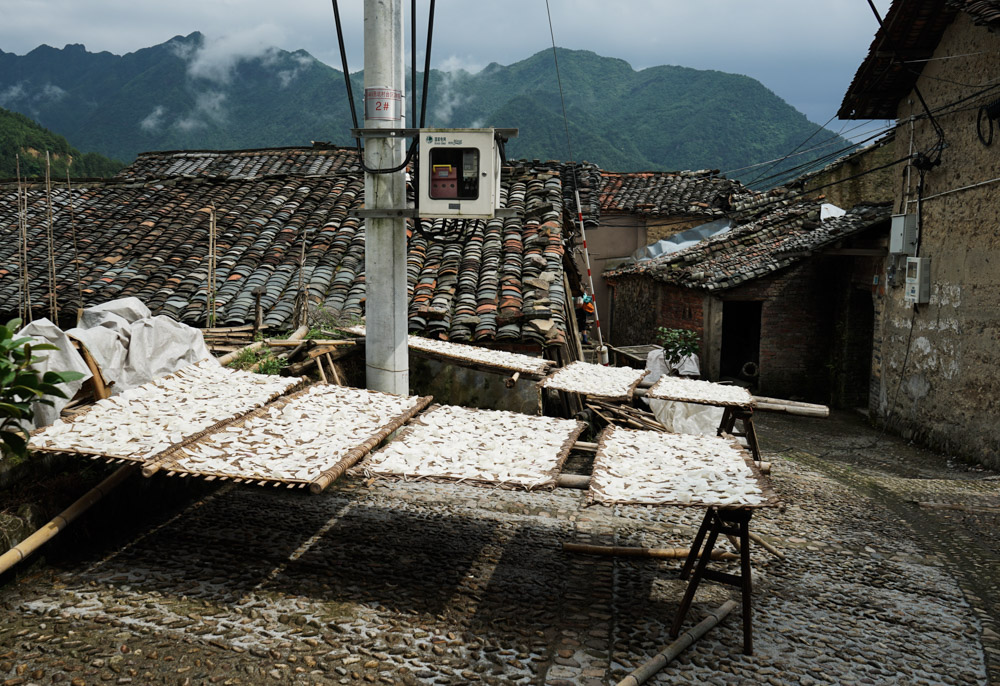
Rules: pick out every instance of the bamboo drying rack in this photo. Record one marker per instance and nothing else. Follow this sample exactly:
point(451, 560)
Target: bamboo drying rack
point(768, 497)
point(167, 461)
point(550, 482)
point(699, 400)
point(187, 440)
point(550, 383)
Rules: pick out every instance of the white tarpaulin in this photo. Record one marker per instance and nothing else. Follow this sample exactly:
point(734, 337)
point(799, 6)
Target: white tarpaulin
point(682, 418)
point(66, 359)
point(129, 345)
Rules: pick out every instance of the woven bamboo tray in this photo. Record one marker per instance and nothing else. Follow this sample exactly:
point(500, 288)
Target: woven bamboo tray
point(552, 381)
point(169, 461)
point(525, 365)
point(668, 388)
point(550, 474)
point(300, 382)
point(768, 497)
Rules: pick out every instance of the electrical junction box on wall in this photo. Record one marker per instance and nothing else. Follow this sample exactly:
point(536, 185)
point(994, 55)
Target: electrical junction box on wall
point(459, 173)
point(903, 234)
point(918, 280)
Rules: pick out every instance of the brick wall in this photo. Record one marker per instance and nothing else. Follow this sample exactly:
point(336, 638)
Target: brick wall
point(796, 328)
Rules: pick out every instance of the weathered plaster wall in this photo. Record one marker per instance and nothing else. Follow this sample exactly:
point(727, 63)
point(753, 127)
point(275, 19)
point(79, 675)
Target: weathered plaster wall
point(944, 357)
point(659, 228)
point(617, 237)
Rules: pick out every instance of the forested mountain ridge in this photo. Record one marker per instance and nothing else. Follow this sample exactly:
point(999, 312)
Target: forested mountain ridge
point(189, 93)
point(23, 144)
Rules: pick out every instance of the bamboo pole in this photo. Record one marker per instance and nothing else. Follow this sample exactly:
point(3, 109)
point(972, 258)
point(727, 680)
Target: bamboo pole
point(767, 546)
point(61, 521)
point(322, 373)
point(315, 341)
point(623, 551)
point(790, 407)
point(580, 481)
point(101, 390)
point(584, 445)
point(663, 658)
point(333, 370)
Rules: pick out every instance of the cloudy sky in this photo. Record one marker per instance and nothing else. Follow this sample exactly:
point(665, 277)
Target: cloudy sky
point(806, 52)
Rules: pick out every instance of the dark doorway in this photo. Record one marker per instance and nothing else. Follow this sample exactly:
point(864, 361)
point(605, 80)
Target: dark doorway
point(741, 340)
point(853, 363)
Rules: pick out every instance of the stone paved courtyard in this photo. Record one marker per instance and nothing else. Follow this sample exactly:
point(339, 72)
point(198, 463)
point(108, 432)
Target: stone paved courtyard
point(892, 575)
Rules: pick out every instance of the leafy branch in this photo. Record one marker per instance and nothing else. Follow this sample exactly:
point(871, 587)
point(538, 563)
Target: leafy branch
point(22, 386)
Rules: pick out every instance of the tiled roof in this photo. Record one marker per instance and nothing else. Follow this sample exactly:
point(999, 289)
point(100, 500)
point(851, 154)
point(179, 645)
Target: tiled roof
point(983, 12)
point(690, 193)
point(319, 160)
point(911, 29)
point(147, 236)
point(775, 241)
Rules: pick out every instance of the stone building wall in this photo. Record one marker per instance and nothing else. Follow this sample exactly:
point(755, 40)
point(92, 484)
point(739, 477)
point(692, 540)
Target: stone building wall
point(945, 356)
point(840, 187)
point(635, 310)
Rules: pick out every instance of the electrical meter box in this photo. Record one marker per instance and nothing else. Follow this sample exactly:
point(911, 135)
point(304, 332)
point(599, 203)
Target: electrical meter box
point(918, 280)
point(903, 234)
point(459, 173)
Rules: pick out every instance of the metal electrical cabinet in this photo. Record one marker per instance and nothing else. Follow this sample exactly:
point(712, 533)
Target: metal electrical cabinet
point(918, 280)
point(459, 173)
point(903, 234)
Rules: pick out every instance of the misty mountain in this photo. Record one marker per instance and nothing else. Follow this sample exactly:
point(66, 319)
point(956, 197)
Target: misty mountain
point(192, 93)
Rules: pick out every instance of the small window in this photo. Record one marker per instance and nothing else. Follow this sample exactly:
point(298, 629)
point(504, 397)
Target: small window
point(454, 173)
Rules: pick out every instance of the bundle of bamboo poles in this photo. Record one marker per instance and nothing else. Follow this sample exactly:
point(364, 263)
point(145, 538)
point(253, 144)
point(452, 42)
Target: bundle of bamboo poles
point(302, 355)
point(623, 415)
point(229, 338)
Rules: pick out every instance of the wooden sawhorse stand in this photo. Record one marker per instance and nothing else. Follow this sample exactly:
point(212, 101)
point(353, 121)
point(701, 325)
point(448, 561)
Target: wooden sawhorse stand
point(729, 522)
point(745, 416)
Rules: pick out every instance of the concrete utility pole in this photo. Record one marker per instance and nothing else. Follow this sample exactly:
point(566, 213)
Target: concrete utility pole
point(386, 355)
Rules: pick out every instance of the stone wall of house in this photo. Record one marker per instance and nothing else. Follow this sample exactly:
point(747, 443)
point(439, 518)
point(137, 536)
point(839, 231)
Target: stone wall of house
point(634, 310)
point(944, 356)
point(850, 183)
point(658, 228)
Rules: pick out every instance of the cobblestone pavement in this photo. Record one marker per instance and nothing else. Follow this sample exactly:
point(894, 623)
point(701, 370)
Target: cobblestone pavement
point(891, 576)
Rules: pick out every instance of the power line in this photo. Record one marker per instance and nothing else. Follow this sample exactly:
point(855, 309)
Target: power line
point(782, 159)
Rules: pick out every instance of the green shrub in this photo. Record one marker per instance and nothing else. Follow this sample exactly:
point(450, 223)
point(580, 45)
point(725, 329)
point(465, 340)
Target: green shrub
point(22, 386)
point(677, 343)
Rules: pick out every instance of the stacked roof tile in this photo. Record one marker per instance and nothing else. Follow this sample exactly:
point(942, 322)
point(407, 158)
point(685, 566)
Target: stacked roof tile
point(983, 12)
point(774, 241)
point(689, 193)
point(242, 164)
point(147, 236)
